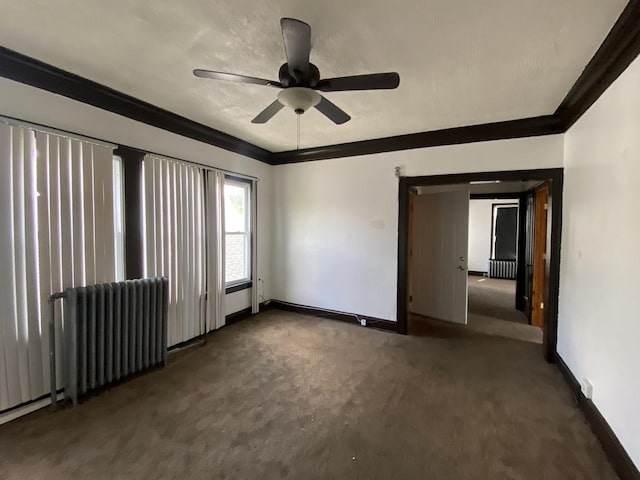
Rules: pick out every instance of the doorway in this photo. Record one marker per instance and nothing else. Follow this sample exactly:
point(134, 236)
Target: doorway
point(494, 243)
point(534, 284)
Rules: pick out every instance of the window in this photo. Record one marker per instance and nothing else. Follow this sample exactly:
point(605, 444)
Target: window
point(504, 236)
point(118, 216)
point(60, 227)
point(237, 231)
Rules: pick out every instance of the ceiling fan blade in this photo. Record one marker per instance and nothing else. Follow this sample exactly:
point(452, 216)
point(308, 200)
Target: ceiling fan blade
point(332, 111)
point(266, 115)
point(297, 45)
point(373, 81)
point(232, 77)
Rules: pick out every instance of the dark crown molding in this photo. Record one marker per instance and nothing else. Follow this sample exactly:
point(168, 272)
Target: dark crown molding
point(526, 127)
point(27, 70)
point(619, 49)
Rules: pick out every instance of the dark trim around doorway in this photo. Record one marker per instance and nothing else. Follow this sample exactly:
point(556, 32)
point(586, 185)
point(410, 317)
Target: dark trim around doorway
point(495, 196)
point(521, 303)
point(553, 176)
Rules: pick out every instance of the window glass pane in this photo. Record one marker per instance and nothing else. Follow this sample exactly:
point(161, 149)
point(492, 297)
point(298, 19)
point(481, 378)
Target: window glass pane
point(118, 217)
point(235, 198)
point(237, 235)
point(236, 257)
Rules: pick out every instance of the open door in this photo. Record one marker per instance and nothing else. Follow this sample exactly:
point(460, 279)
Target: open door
point(540, 255)
point(438, 255)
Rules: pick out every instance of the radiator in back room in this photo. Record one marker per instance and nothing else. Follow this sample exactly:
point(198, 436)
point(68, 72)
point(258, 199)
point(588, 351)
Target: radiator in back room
point(502, 269)
point(112, 331)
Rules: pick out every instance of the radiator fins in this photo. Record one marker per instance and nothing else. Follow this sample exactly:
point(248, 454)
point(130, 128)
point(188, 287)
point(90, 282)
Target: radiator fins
point(502, 269)
point(112, 331)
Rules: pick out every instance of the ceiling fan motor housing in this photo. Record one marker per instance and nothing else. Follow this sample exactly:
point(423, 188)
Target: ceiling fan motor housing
point(299, 79)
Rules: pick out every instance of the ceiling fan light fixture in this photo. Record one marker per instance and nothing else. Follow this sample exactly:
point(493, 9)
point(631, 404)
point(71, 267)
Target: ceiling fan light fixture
point(300, 79)
point(299, 99)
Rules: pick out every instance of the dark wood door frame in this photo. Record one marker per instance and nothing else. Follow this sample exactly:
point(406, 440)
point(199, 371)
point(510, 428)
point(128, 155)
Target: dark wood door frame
point(555, 178)
point(521, 284)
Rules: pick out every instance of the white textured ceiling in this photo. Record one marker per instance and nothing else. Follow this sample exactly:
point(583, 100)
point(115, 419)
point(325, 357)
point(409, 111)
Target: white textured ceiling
point(461, 62)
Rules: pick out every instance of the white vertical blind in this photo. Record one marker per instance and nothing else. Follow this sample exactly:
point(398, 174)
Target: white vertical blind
point(174, 243)
point(57, 230)
point(61, 226)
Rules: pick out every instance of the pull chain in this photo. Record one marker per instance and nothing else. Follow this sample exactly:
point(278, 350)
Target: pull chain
point(299, 131)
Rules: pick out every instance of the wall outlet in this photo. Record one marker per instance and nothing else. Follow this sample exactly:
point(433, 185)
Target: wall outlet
point(363, 322)
point(587, 388)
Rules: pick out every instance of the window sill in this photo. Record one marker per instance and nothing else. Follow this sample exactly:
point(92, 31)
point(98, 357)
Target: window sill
point(238, 286)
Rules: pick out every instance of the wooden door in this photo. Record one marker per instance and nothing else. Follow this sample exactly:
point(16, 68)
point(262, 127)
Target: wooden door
point(439, 246)
point(540, 254)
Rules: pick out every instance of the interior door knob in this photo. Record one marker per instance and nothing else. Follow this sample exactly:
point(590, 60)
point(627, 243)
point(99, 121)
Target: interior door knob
point(460, 267)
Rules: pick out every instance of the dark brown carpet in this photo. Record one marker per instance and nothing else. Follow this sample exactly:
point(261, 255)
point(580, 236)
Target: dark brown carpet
point(287, 396)
point(495, 298)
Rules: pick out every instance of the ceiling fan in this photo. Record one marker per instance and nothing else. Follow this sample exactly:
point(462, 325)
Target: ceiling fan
point(300, 80)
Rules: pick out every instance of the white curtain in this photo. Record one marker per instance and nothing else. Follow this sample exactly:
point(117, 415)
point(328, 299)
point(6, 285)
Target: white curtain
point(175, 241)
point(57, 218)
point(215, 249)
point(255, 299)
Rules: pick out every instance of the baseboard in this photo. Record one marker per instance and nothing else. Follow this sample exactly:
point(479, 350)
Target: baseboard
point(477, 273)
point(264, 306)
point(354, 318)
point(245, 313)
point(616, 453)
point(26, 408)
point(237, 316)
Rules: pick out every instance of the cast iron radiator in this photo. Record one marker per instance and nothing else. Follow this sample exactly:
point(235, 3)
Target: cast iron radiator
point(502, 269)
point(111, 331)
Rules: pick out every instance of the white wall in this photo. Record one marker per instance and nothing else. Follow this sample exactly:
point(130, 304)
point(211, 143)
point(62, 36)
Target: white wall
point(38, 106)
point(336, 221)
point(334, 239)
point(599, 319)
point(480, 220)
point(236, 301)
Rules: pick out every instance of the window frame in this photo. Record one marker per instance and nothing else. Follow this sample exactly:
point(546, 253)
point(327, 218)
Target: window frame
point(246, 282)
point(494, 219)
